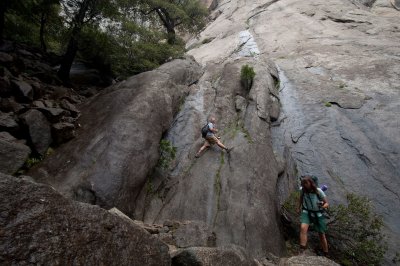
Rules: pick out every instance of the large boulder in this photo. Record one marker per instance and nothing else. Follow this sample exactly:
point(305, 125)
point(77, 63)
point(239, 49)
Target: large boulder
point(39, 226)
point(13, 153)
point(118, 143)
point(307, 261)
point(8, 123)
point(63, 132)
point(39, 130)
point(205, 256)
point(23, 90)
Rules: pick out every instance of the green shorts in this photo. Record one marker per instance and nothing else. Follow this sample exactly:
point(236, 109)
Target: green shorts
point(316, 219)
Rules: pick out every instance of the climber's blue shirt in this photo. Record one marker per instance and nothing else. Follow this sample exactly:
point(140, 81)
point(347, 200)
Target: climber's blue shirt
point(210, 133)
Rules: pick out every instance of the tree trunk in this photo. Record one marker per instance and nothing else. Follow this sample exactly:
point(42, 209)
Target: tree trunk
point(72, 48)
point(42, 27)
point(169, 24)
point(3, 8)
point(171, 35)
point(68, 59)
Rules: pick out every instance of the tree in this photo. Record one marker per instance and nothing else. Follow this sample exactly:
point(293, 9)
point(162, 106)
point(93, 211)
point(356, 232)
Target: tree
point(81, 13)
point(3, 8)
point(27, 19)
point(46, 10)
point(187, 15)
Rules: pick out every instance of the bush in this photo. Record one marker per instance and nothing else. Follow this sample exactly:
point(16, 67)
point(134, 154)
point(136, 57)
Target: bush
point(247, 75)
point(354, 230)
point(167, 154)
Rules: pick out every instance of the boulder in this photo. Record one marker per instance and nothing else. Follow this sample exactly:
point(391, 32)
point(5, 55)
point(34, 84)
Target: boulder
point(8, 123)
point(39, 130)
point(206, 256)
point(65, 104)
point(49, 103)
point(307, 261)
point(39, 226)
point(5, 86)
point(119, 139)
point(63, 132)
point(53, 114)
point(38, 104)
point(13, 154)
point(192, 234)
point(24, 91)
point(5, 58)
point(10, 105)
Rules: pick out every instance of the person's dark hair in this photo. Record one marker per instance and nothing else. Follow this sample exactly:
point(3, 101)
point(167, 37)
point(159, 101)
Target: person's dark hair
point(308, 179)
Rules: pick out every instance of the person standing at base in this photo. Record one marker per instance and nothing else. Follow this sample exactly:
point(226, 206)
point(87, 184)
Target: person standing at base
point(210, 138)
point(311, 204)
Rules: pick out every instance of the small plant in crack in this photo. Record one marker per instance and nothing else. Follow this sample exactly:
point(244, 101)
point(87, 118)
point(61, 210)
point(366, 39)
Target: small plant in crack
point(167, 154)
point(247, 75)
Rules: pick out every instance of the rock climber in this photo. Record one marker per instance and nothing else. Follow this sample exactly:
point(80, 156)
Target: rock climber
point(311, 205)
point(210, 138)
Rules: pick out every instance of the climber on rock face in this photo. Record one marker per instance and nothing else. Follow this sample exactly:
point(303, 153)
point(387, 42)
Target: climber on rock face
point(311, 204)
point(208, 133)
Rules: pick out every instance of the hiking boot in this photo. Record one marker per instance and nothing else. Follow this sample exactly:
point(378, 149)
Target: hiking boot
point(303, 251)
point(197, 156)
point(228, 150)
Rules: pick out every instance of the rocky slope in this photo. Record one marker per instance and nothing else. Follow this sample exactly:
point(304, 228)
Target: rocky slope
point(37, 113)
point(339, 88)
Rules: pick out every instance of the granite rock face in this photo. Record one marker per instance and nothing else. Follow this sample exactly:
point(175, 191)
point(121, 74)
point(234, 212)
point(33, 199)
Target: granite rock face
point(339, 89)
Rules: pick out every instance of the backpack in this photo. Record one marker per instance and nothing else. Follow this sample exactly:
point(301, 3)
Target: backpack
point(204, 131)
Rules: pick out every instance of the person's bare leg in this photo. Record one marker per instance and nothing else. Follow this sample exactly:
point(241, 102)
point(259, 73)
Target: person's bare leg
point(219, 143)
point(205, 146)
point(324, 242)
point(303, 234)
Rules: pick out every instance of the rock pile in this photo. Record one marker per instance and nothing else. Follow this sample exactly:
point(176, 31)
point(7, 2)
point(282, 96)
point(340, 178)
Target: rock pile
point(36, 112)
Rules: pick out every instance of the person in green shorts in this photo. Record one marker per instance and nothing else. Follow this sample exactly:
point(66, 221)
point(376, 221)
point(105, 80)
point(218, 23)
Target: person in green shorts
point(311, 204)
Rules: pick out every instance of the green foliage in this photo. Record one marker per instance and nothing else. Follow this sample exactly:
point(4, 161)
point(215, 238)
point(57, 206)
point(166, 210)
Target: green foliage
point(328, 104)
point(167, 154)
point(25, 19)
point(247, 75)
point(119, 37)
point(185, 15)
point(149, 186)
point(354, 230)
point(32, 161)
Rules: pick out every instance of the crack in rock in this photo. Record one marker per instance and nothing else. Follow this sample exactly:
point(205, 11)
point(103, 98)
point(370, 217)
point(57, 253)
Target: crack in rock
point(296, 139)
